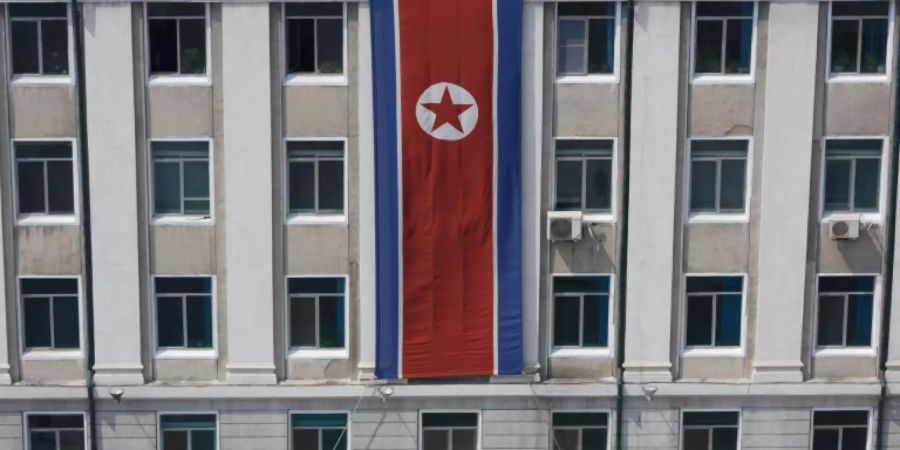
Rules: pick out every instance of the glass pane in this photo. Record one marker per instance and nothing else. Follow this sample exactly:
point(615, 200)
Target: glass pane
point(203, 440)
point(703, 186)
point(170, 322)
point(572, 41)
point(859, 321)
point(436, 440)
point(854, 438)
point(55, 42)
point(447, 420)
point(725, 439)
point(732, 193)
point(24, 47)
point(593, 439)
point(71, 440)
point(708, 56)
point(599, 185)
point(565, 440)
point(303, 322)
point(301, 177)
point(42, 440)
point(696, 440)
point(566, 313)
point(329, 285)
point(465, 439)
point(837, 185)
point(699, 320)
point(301, 46)
point(37, 322)
point(166, 188)
point(196, 179)
point(197, 207)
point(728, 320)
point(163, 36)
point(711, 418)
point(193, 46)
point(199, 322)
point(841, 417)
point(865, 184)
point(596, 320)
point(874, 46)
point(331, 185)
point(826, 440)
point(31, 187)
point(65, 322)
point(601, 45)
point(330, 39)
point(568, 185)
point(60, 197)
point(334, 440)
point(175, 440)
point(305, 439)
point(331, 322)
point(844, 41)
point(738, 46)
point(831, 320)
point(183, 285)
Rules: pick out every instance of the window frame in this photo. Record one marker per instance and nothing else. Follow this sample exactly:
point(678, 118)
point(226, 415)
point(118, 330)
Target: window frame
point(315, 218)
point(724, 78)
point(718, 217)
point(740, 422)
point(181, 219)
point(858, 77)
point(869, 423)
point(26, 430)
point(478, 427)
point(347, 433)
point(701, 351)
point(312, 79)
point(609, 420)
point(73, 218)
point(871, 349)
point(582, 352)
point(590, 216)
point(342, 353)
point(177, 78)
point(49, 353)
point(36, 78)
point(873, 217)
point(166, 353)
point(589, 78)
point(159, 430)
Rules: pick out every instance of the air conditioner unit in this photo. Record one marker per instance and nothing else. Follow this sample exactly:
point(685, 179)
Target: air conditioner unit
point(564, 225)
point(844, 227)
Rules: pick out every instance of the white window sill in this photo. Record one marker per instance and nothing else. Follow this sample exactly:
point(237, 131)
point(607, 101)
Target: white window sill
point(573, 352)
point(179, 80)
point(722, 79)
point(606, 78)
point(41, 80)
point(831, 352)
point(46, 219)
point(187, 353)
point(182, 220)
point(705, 352)
point(859, 78)
point(718, 218)
point(319, 353)
point(590, 218)
point(315, 80)
point(317, 219)
point(51, 355)
point(869, 218)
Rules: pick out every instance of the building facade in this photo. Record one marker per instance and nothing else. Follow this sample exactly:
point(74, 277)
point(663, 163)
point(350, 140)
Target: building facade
point(206, 189)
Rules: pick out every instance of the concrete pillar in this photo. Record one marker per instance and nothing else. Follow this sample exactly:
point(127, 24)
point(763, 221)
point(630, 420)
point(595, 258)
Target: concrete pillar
point(651, 239)
point(109, 79)
point(786, 171)
point(6, 301)
point(366, 153)
point(247, 139)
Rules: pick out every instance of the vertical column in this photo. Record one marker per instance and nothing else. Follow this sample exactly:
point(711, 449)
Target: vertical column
point(892, 374)
point(247, 125)
point(366, 154)
point(5, 228)
point(786, 171)
point(109, 79)
point(651, 239)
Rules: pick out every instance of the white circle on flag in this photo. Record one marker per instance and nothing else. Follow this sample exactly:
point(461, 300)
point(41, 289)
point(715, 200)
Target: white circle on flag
point(447, 111)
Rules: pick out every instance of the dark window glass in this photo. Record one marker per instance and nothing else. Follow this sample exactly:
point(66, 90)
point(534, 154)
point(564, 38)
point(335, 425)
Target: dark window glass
point(859, 32)
point(199, 322)
point(593, 439)
point(827, 439)
point(175, 440)
point(301, 46)
point(703, 185)
point(860, 8)
point(36, 422)
point(177, 36)
point(733, 182)
point(568, 185)
point(305, 439)
point(844, 45)
point(448, 420)
point(587, 9)
point(163, 35)
point(65, 322)
point(696, 439)
point(854, 438)
point(586, 38)
point(572, 46)
point(847, 284)
point(866, 181)
point(738, 45)
point(330, 40)
point(55, 47)
point(565, 439)
point(303, 325)
point(37, 323)
point(436, 439)
point(24, 47)
point(837, 185)
point(170, 9)
point(203, 440)
point(316, 285)
point(302, 181)
point(598, 185)
point(596, 320)
point(320, 9)
point(859, 321)
point(699, 320)
point(727, 8)
point(334, 440)
point(183, 285)
point(874, 46)
point(315, 38)
point(71, 440)
point(831, 320)
point(601, 45)
point(45, 178)
point(708, 50)
point(193, 46)
point(331, 322)
point(566, 318)
point(580, 419)
point(31, 187)
point(170, 322)
point(49, 286)
point(60, 198)
point(728, 320)
point(331, 185)
point(724, 438)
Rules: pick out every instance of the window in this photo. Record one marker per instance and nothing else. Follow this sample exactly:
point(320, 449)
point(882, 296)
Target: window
point(55, 431)
point(51, 315)
point(46, 178)
point(449, 431)
point(840, 430)
point(319, 431)
point(579, 431)
point(859, 37)
point(316, 312)
point(188, 431)
point(315, 38)
point(586, 38)
point(852, 175)
point(714, 311)
point(180, 178)
point(845, 311)
point(39, 38)
point(718, 176)
point(581, 311)
point(177, 38)
point(724, 38)
point(584, 175)
point(710, 430)
point(184, 315)
point(315, 177)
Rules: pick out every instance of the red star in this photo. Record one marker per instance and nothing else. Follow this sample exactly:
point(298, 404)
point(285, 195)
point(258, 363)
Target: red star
point(447, 112)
